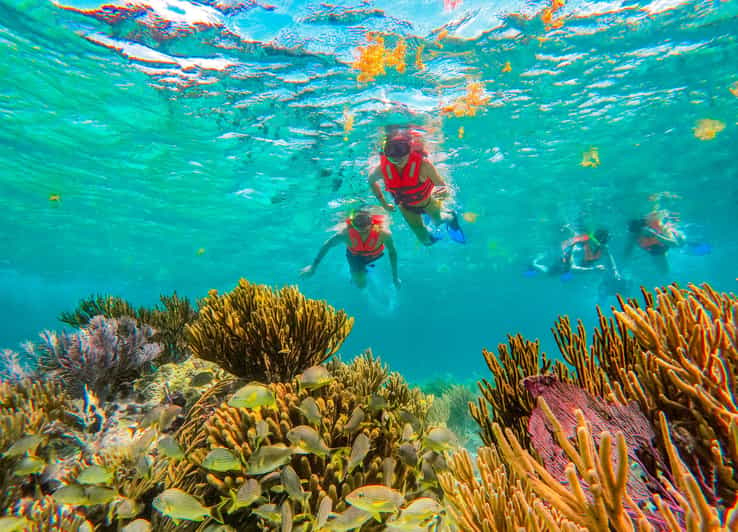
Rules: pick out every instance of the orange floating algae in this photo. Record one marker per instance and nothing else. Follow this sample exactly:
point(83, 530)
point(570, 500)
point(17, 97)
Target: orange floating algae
point(470, 217)
point(348, 123)
point(374, 57)
point(548, 15)
point(707, 128)
point(591, 158)
point(734, 89)
point(468, 104)
point(419, 58)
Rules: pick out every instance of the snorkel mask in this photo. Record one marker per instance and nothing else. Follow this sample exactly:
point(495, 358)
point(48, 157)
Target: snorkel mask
point(361, 220)
point(396, 147)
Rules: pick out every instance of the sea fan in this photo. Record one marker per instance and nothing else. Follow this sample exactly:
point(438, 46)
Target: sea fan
point(106, 356)
point(15, 366)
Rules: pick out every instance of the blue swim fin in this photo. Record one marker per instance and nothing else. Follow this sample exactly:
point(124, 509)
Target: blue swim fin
point(454, 229)
point(698, 249)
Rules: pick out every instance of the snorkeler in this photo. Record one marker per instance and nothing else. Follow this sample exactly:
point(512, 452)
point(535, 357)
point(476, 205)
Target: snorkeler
point(415, 185)
point(582, 252)
point(654, 233)
point(365, 236)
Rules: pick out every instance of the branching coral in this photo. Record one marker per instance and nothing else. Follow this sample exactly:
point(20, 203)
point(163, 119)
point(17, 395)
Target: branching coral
point(106, 356)
point(35, 409)
point(496, 499)
point(46, 515)
point(335, 464)
point(676, 358)
point(595, 493)
point(677, 355)
point(364, 375)
point(504, 400)
point(268, 335)
point(452, 409)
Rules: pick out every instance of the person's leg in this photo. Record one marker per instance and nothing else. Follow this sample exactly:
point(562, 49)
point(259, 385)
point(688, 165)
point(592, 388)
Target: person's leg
point(538, 265)
point(359, 278)
point(415, 222)
point(437, 212)
point(357, 265)
point(661, 263)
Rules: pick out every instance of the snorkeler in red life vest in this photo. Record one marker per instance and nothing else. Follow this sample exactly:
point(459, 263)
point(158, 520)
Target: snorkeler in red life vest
point(415, 185)
point(366, 236)
point(582, 252)
point(655, 233)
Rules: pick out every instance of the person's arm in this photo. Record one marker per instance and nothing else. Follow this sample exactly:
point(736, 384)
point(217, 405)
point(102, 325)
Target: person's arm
point(430, 171)
point(668, 235)
point(392, 252)
point(613, 266)
point(374, 179)
point(333, 241)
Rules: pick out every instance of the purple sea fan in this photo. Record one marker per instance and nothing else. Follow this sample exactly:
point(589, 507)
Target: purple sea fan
point(15, 366)
point(106, 356)
point(564, 399)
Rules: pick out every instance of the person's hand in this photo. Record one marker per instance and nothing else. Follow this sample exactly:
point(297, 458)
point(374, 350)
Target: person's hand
point(307, 271)
point(397, 282)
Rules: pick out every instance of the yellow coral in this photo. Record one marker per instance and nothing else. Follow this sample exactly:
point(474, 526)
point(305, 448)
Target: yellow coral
point(214, 424)
point(269, 335)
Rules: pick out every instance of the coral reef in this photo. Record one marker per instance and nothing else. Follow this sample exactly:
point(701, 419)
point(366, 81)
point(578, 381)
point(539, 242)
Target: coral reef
point(105, 357)
point(675, 359)
point(678, 355)
point(355, 440)
point(46, 515)
point(452, 409)
point(496, 499)
point(637, 430)
point(504, 400)
point(28, 409)
point(268, 335)
point(185, 379)
point(16, 366)
point(168, 321)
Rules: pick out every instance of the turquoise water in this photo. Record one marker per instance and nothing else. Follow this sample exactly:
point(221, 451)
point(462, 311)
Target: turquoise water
point(176, 145)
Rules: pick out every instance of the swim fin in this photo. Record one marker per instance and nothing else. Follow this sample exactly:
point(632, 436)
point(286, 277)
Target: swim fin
point(698, 249)
point(454, 229)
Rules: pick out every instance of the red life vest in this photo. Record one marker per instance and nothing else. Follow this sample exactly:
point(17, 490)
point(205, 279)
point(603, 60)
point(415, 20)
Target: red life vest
point(406, 188)
point(567, 247)
point(649, 242)
point(369, 247)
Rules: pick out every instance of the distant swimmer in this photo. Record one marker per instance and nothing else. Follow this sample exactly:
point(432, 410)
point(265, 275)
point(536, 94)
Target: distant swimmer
point(581, 252)
point(415, 185)
point(654, 233)
point(366, 236)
